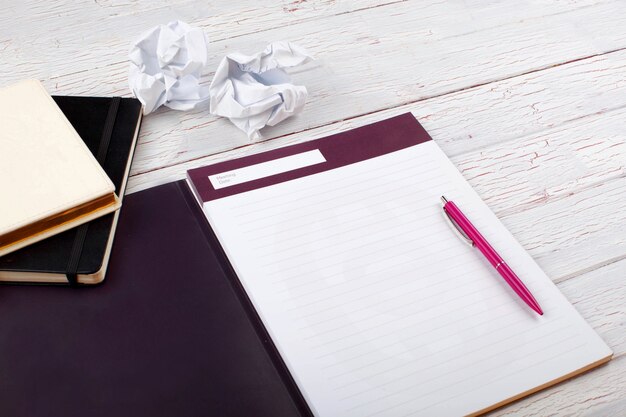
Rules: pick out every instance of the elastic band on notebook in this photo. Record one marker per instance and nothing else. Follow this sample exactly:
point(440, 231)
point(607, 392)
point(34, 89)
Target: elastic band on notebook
point(77, 250)
point(108, 130)
point(81, 233)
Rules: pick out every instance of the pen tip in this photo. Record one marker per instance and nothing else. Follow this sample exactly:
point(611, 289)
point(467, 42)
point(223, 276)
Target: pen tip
point(444, 199)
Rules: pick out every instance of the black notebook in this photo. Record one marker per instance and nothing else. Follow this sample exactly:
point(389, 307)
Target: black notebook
point(109, 127)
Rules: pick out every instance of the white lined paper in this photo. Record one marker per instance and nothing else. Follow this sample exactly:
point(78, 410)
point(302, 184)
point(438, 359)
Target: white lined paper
point(378, 308)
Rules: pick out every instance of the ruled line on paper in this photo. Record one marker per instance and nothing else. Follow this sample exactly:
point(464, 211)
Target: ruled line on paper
point(363, 180)
point(407, 250)
point(576, 347)
point(342, 232)
point(544, 360)
point(408, 279)
point(422, 234)
point(328, 286)
point(398, 168)
point(433, 219)
point(389, 310)
point(387, 192)
point(293, 287)
point(392, 331)
point(473, 375)
point(284, 244)
point(479, 336)
point(354, 308)
point(360, 256)
point(508, 375)
point(355, 220)
point(379, 301)
point(405, 365)
point(409, 338)
point(303, 225)
point(325, 184)
point(394, 308)
point(354, 322)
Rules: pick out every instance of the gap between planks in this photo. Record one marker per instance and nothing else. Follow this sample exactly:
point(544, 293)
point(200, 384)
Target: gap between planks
point(389, 108)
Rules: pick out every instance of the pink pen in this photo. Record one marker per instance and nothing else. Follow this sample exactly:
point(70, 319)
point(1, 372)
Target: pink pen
point(476, 239)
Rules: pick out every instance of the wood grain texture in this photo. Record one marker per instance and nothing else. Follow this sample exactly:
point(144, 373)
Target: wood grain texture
point(465, 120)
point(529, 101)
point(530, 166)
point(387, 43)
point(599, 392)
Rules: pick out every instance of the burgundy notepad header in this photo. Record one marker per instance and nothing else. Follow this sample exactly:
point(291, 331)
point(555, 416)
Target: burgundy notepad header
point(339, 150)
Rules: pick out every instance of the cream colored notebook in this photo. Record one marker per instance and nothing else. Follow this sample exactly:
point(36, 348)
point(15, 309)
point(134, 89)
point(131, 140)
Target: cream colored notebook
point(49, 180)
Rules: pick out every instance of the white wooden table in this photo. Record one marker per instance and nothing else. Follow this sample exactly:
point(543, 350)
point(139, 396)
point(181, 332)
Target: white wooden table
point(527, 99)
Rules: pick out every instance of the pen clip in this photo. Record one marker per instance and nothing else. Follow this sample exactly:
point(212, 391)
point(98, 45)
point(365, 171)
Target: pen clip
point(455, 227)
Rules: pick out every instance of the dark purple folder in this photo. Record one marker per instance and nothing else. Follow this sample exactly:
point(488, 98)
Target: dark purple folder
point(169, 332)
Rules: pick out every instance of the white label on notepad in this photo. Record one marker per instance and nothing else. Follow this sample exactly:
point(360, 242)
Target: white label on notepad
point(265, 169)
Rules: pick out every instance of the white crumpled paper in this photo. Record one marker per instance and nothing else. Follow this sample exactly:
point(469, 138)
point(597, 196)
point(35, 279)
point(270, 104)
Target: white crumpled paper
point(166, 64)
point(253, 91)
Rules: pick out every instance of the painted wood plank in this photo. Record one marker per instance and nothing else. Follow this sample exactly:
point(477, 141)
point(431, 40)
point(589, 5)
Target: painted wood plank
point(524, 173)
point(514, 174)
point(600, 297)
point(459, 122)
point(372, 59)
point(109, 21)
point(579, 232)
point(597, 393)
point(386, 77)
point(107, 27)
point(560, 192)
point(576, 231)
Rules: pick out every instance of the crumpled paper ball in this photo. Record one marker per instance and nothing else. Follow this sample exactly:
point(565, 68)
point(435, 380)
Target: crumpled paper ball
point(166, 64)
point(254, 91)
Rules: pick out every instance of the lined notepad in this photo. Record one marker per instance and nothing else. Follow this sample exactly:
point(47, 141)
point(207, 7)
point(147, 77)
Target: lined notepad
point(378, 308)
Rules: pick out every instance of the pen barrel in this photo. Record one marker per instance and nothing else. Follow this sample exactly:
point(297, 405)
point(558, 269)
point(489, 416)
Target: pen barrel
point(473, 234)
point(518, 286)
point(492, 256)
